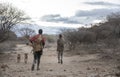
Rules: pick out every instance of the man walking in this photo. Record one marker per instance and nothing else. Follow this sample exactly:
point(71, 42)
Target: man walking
point(37, 42)
point(60, 48)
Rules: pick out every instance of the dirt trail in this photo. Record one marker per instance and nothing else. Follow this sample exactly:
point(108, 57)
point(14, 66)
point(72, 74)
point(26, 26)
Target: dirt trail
point(73, 66)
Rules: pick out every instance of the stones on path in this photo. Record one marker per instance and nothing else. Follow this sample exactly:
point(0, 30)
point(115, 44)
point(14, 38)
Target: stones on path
point(4, 67)
point(93, 75)
point(64, 70)
point(88, 68)
point(51, 70)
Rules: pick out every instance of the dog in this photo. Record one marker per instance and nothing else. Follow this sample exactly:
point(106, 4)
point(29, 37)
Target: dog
point(25, 58)
point(18, 58)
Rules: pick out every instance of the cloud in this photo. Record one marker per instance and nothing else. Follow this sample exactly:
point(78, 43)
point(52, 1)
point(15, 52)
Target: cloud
point(57, 18)
point(81, 16)
point(103, 3)
point(95, 12)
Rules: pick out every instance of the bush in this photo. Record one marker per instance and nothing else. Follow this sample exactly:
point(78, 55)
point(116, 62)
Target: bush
point(50, 38)
point(76, 37)
point(7, 46)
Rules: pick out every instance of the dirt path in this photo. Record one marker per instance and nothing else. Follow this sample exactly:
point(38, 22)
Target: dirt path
point(73, 66)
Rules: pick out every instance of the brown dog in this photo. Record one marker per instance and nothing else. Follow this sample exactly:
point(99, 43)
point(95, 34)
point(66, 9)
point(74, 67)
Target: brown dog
point(25, 57)
point(18, 58)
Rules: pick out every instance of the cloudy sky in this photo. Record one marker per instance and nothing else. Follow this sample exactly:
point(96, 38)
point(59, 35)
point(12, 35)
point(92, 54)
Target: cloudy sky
point(66, 13)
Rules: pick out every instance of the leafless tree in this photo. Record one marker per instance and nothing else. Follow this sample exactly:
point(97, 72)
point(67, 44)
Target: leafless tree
point(9, 17)
point(26, 32)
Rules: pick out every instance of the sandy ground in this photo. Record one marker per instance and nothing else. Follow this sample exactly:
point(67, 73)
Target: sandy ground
point(73, 66)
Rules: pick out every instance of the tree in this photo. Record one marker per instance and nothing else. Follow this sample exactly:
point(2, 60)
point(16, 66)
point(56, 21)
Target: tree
point(26, 32)
point(114, 20)
point(9, 17)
